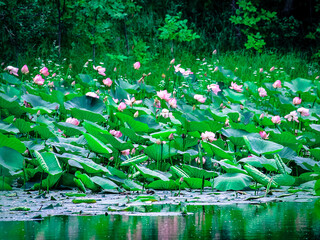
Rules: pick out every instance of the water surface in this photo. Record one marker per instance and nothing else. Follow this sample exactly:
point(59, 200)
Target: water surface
point(284, 220)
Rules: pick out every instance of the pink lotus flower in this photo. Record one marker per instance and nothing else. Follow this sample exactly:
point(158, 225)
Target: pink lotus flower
point(292, 116)
point(177, 68)
point(164, 95)
point(173, 102)
point(215, 69)
point(12, 70)
point(92, 94)
point(263, 135)
point(51, 84)
point(277, 84)
point(303, 111)
point(261, 70)
point(73, 121)
point(122, 106)
point(276, 119)
point(262, 92)
point(214, 52)
point(200, 98)
point(197, 159)
point(136, 114)
point(38, 80)
point(296, 101)
point(214, 88)
point(125, 152)
point(136, 65)
point(210, 136)
point(172, 61)
point(165, 113)
point(272, 69)
point(44, 71)
point(115, 133)
point(261, 116)
point(25, 69)
point(115, 100)
point(129, 101)
point(101, 70)
point(236, 87)
point(107, 82)
point(53, 75)
point(73, 83)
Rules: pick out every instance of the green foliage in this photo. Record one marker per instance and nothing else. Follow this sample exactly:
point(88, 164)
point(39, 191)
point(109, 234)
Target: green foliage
point(176, 29)
point(254, 20)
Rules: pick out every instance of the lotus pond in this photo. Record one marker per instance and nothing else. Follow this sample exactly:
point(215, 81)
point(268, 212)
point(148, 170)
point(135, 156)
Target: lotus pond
point(295, 220)
point(203, 129)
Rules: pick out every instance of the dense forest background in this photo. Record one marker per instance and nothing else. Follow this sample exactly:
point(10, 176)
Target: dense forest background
point(146, 29)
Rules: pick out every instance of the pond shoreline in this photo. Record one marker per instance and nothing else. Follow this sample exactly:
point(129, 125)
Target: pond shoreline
point(19, 205)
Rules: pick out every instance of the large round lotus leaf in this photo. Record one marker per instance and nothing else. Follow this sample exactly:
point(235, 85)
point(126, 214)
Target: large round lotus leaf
point(232, 181)
point(10, 161)
point(315, 153)
point(299, 85)
point(89, 103)
point(234, 96)
point(260, 146)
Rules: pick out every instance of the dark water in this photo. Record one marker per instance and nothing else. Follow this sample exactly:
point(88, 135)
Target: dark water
point(243, 221)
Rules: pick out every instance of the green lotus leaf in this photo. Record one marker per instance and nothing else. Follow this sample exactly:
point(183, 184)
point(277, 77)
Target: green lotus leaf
point(12, 142)
point(260, 146)
point(89, 103)
point(90, 166)
point(45, 133)
point(86, 80)
point(160, 152)
point(299, 85)
point(163, 185)
point(284, 179)
point(69, 129)
point(163, 134)
point(213, 150)
point(260, 162)
point(232, 181)
point(8, 128)
point(86, 180)
point(84, 114)
point(234, 97)
point(135, 160)
point(230, 167)
point(194, 183)
point(11, 161)
point(147, 173)
point(315, 152)
point(48, 162)
point(132, 186)
point(10, 79)
point(37, 101)
point(135, 125)
point(286, 139)
point(96, 145)
point(104, 183)
point(195, 172)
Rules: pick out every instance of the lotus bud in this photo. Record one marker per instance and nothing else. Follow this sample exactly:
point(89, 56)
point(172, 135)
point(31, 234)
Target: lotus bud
point(136, 114)
point(171, 136)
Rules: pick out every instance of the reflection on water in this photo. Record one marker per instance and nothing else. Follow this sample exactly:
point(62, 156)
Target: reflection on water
point(243, 221)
